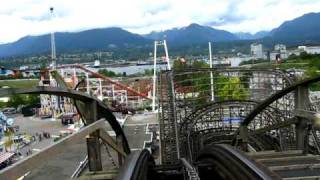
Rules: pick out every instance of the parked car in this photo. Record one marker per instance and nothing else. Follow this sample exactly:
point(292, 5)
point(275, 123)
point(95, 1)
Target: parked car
point(9, 110)
point(68, 118)
point(29, 110)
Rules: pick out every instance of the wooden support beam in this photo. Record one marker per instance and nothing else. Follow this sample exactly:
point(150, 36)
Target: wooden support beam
point(93, 144)
point(94, 154)
point(105, 137)
point(119, 143)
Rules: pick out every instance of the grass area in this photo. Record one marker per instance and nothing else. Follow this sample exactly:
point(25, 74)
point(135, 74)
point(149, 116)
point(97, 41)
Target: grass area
point(19, 83)
point(282, 65)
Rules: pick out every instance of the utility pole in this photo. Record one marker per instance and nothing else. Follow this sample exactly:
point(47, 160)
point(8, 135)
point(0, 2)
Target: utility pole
point(53, 44)
point(211, 74)
point(154, 77)
point(100, 89)
point(88, 83)
point(167, 55)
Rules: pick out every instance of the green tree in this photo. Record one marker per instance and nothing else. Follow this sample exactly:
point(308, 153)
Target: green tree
point(32, 99)
point(314, 62)
point(311, 72)
point(200, 64)
point(226, 88)
point(178, 65)
point(231, 89)
point(148, 72)
point(16, 100)
point(3, 104)
point(107, 73)
point(305, 55)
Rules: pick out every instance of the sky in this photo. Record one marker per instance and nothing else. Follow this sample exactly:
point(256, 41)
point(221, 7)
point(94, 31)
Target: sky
point(19, 18)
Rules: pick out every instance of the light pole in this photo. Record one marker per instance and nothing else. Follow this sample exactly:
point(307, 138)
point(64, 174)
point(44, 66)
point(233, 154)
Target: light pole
point(211, 74)
point(164, 44)
point(53, 44)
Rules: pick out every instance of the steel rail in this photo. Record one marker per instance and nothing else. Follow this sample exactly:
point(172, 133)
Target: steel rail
point(189, 123)
point(97, 75)
point(136, 166)
point(103, 110)
point(275, 97)
point(83, 164)
point(227, 69)
point(185, 124)
point(233, 163)
point(190, 170)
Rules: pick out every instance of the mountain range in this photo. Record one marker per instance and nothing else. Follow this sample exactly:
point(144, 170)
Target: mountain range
point(192, 34)
point(305, 28)
point(249, 36)
point(90, 40)
point(301, 30)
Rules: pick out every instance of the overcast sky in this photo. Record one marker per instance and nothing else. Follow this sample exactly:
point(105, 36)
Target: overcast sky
point(19, 18)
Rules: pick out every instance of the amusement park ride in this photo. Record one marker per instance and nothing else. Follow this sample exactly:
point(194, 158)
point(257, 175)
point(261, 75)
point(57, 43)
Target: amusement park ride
point(118, 95)
point(215, 123)
point(268, 131)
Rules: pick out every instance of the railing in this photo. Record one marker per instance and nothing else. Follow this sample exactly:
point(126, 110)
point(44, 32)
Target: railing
point(94, 112)
point(190, 171)
point(137, 166)
point(232, 164)
point(303, 119)
point(189, 93)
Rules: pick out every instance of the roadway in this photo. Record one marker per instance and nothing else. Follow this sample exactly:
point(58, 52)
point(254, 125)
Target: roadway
point(63, 165)
point(137, 130)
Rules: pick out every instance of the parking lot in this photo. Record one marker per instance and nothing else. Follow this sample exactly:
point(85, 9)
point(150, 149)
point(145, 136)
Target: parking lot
point(63, 165)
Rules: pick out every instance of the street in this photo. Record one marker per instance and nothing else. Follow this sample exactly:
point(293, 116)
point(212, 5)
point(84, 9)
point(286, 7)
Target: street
point(64, 164)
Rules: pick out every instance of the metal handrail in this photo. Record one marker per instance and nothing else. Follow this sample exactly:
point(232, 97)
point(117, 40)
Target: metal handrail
point(236, 163)
point(134, 165)
point(103, 110)
point(275, 97)
point(20, 168)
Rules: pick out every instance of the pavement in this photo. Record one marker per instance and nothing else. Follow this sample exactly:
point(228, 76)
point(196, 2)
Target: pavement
point(136, 135)
point(61, 166)
point(32, 126)
point(64, 164)
point(148, 118)
point(136, 130)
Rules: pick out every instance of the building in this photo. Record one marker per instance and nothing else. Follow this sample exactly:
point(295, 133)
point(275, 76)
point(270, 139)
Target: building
point(280, 47)
point(53, 106)
point(279, 52)
point(310, 49)
point(313, 50)
point(295, 52)
point(257, 51)
point(302, 48)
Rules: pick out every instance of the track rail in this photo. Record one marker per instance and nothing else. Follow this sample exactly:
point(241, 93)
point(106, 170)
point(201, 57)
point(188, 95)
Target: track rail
point(137, 166)
point(275, 97)
point(97, 75)
point(225, 162)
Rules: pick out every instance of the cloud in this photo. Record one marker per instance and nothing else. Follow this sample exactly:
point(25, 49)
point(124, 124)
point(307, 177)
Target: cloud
point(231, 15)
point(266, 15)
point(19, 18)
